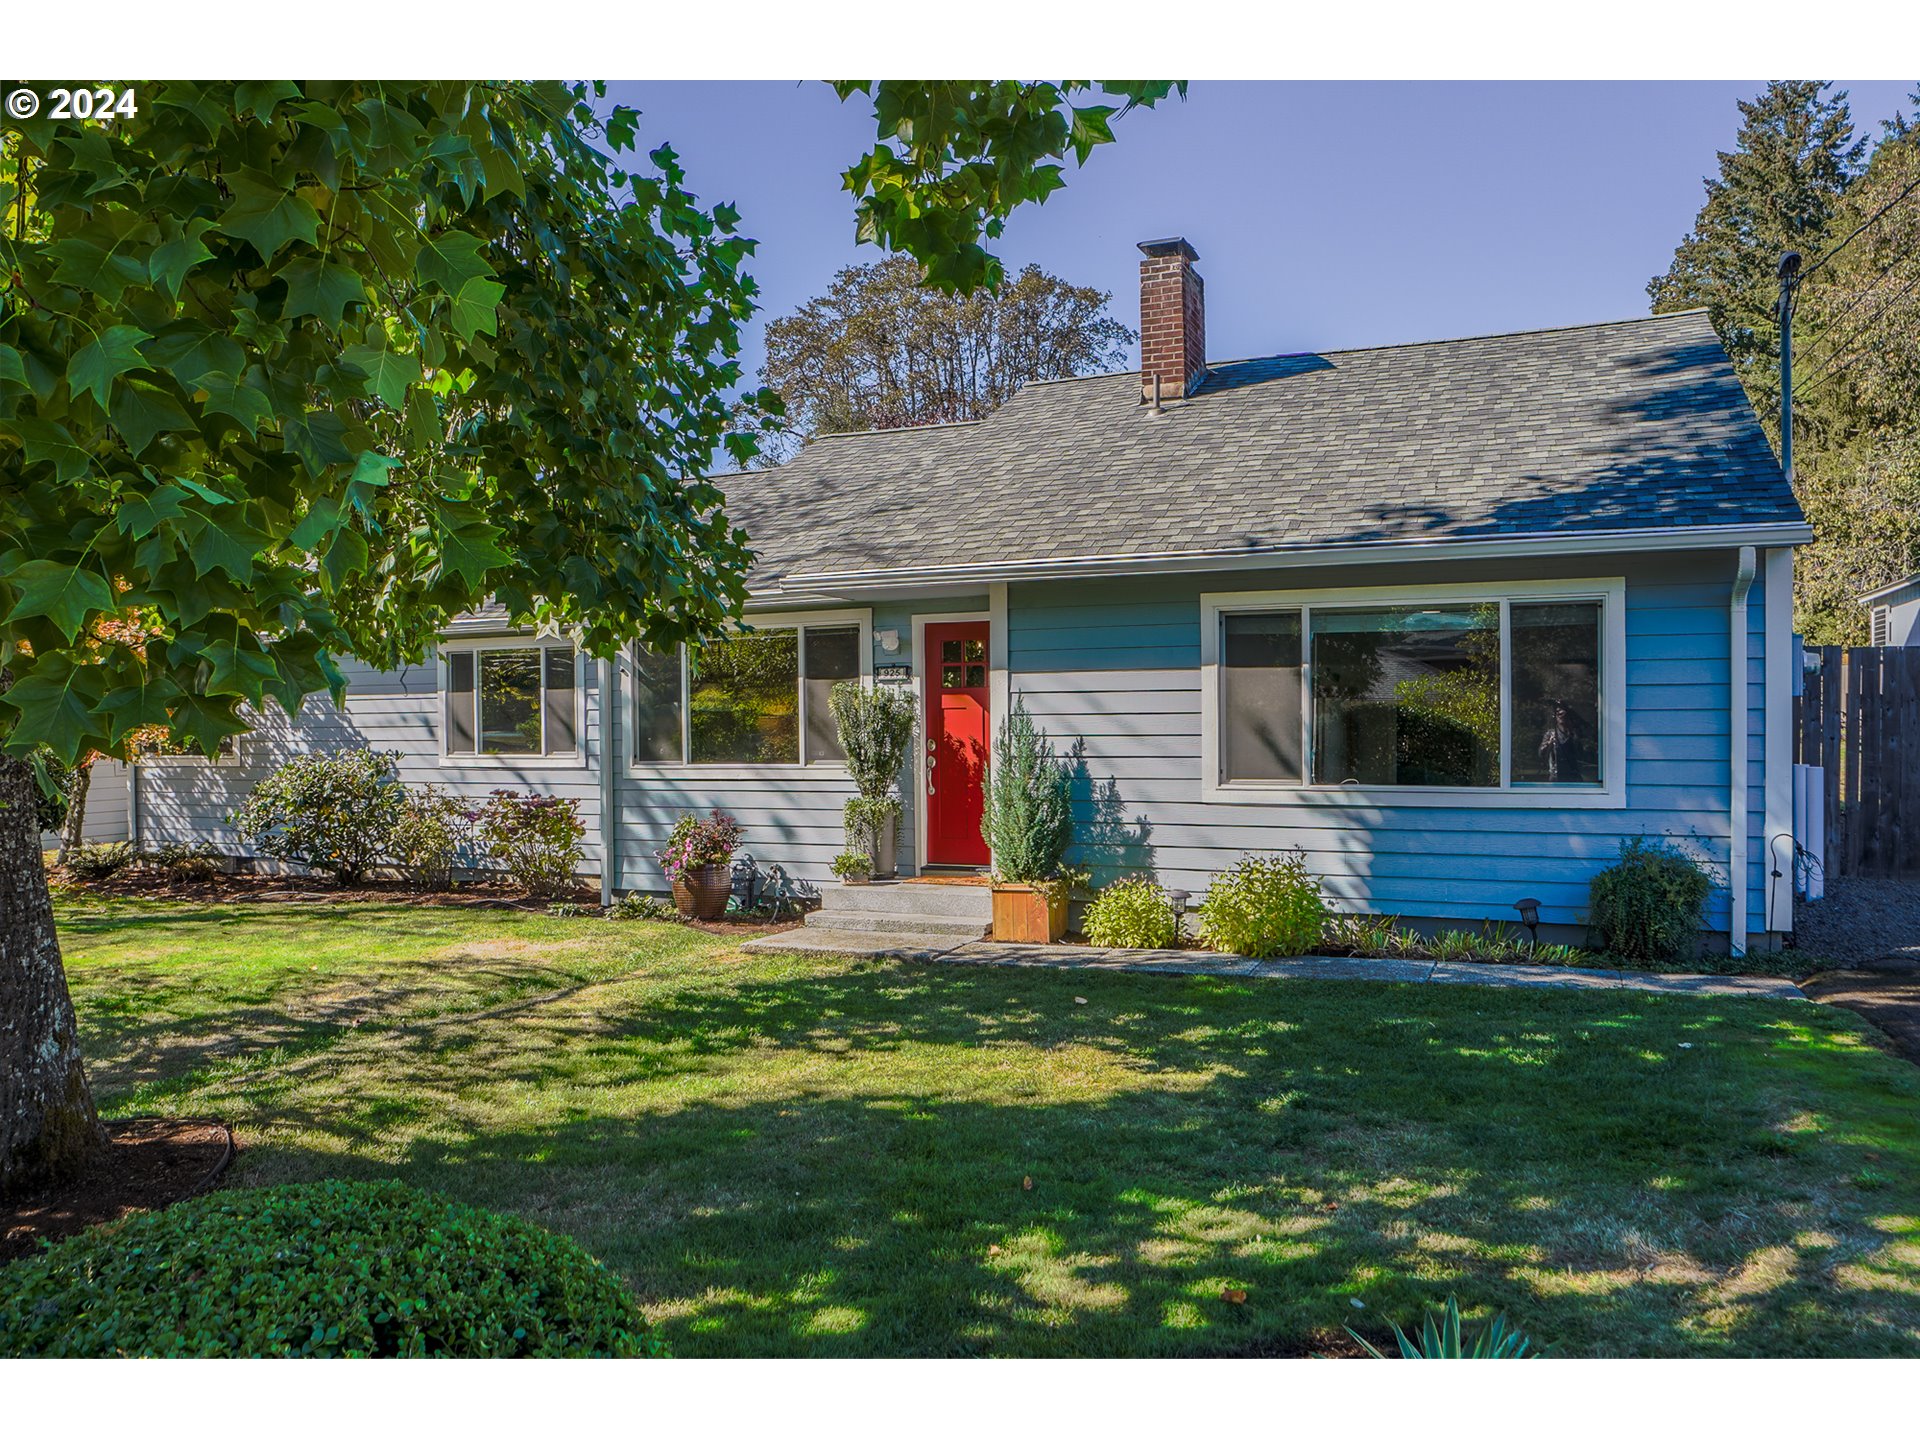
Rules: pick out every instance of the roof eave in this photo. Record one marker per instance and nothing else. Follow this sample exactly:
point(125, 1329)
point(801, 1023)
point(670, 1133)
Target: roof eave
point(1688, 537)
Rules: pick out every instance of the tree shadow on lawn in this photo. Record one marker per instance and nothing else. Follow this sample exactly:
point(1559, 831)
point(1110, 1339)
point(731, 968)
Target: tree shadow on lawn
point(835, 1164)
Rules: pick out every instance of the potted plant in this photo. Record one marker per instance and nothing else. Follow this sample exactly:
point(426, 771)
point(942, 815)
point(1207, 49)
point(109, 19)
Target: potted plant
point(876, 726)
point(698, 859)
point(854, 867)
point(1028, 825)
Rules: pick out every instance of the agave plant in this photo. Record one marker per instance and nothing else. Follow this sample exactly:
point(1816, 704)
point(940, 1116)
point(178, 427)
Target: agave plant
point(1449, 1340)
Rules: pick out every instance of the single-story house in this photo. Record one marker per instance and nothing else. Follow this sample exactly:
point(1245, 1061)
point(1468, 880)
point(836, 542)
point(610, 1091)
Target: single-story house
point(1454, 618)
point(1893, 612)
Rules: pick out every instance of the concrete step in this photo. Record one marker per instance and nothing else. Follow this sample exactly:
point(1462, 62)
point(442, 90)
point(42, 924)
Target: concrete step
point(897, 898)
point(896, 922)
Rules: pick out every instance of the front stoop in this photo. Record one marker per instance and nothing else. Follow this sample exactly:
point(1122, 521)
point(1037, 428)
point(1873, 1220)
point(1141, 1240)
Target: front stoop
point(890, 920)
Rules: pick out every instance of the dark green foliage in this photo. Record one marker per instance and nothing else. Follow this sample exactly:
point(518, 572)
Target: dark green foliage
point(53, 783)
point(1028, 822)
point(331, 812)
point(535, 838)
point(1131, 914)
point(183, 861)
point(325, 1269)
point(431, 833)
point(853, 864)
point(1650, 903)
point(1265, 905)
point(1450, 1340)
point(876, 724)
point(88, 861)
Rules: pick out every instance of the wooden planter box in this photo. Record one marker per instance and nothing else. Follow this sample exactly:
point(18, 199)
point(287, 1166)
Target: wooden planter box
point(702, 894)
point(1029, 914)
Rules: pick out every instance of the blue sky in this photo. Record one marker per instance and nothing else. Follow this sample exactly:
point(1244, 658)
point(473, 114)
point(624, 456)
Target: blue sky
point(1326, 214)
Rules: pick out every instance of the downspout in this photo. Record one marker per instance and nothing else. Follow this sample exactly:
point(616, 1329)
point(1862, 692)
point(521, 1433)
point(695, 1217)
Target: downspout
point(1737, 738)
point(609, 804)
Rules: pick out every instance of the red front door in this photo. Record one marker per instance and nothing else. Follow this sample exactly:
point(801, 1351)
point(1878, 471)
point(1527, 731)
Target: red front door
point(957, 743)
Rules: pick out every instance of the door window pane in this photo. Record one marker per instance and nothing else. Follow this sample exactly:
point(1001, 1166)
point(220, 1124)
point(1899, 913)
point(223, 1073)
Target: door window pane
point(744, 700)
point(1407, 696)
point(509, 702)
point(1260, 696)
point(656, 707)
point(1556, 693)
point(560, 738)
point(460, 702)
point(832, 657)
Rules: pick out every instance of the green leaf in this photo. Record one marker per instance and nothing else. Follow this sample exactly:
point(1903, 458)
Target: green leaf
point(238, 400)
point(268, 217)
point(470, 552)
point(100, 269)
point(259, 97)
point(390, 374)
point(450, 260)
point(140, 412)
point(56, 705)
point(212, 497)
point(322, 288)
point(227, 543)
point(476, 307)
point(140, 516)
point(170, 261)
point(44, 440)
point(372, 468)
point(11, 367)
point(65, 594)
point(114, 352)
point(318, 523)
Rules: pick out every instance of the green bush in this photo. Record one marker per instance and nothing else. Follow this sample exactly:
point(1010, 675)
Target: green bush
point(1131, 915)
point(331, 812)
point(641, 906)
point(535, 837)
point(853, 864)
point(333, 1268)
point(1650, 904)
point(1028, 822)
point(183, 861)
point(429, 835)
point(875, 724)
point(96, 861)
point(1265, 905)
point(1451, 1340)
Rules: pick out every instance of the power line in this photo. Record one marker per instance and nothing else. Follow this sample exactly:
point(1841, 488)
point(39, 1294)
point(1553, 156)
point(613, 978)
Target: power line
point(1841, 353)
point(1831, 326)
point(1860, 229)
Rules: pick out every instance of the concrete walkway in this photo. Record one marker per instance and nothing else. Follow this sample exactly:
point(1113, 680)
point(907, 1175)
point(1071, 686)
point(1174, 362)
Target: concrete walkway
point(948, 950)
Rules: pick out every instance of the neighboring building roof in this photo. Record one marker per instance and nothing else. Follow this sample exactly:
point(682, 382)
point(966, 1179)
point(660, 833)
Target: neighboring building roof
point(1637, 424)
point(1891, 594)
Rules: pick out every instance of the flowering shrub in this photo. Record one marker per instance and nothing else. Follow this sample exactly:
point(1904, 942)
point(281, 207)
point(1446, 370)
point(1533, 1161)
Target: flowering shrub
point(332, 812)
point(1265, 905)
point(695, 843)
point(536, 839)
point(1131, 915)
point(432, 831)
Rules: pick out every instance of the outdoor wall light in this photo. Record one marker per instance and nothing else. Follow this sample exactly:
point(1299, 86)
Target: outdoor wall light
point(887, 640)
point(1530, 917)
point(1178, 899)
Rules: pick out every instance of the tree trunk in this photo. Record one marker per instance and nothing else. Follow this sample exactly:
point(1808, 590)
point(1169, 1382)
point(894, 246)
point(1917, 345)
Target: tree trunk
point(73, 833)
point(48, 1128)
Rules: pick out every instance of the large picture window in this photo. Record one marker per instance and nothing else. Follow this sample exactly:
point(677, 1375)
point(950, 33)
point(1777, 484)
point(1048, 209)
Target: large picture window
point(757, 698)
point(512, 701)
point(1438, 692)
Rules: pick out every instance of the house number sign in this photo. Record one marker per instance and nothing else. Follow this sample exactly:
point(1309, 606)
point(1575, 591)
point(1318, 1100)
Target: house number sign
point(893, 674)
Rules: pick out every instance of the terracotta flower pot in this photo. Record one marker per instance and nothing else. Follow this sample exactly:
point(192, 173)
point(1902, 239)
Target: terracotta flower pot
point(1029, 914)
point(702, 894)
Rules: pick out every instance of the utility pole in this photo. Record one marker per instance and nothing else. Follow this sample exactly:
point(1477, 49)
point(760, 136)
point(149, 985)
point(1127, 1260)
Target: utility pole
point(1789, 279)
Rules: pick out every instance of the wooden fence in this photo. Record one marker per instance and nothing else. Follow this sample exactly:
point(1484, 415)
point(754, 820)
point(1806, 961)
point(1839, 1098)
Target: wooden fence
point(1859, 720)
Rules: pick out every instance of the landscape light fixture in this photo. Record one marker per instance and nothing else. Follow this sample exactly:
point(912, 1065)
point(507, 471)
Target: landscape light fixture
point(1178, 899)
point(1530, 917)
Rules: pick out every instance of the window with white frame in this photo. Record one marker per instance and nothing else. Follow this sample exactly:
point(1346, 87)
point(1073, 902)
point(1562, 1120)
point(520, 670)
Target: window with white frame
point(759, 697)
point(512, 700)
point(1431, 691)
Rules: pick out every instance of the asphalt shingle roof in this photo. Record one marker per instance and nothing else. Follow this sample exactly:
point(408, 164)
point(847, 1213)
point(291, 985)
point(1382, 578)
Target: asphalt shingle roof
point(1638, 423)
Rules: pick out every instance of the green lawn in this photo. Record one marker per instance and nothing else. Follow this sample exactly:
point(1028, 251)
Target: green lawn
point(802, 1155)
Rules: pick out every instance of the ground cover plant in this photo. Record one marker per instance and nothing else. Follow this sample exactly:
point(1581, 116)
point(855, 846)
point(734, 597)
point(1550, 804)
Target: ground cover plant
point(794, 1154)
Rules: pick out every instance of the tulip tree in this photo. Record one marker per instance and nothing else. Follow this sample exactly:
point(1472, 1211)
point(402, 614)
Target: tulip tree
point(291, 371)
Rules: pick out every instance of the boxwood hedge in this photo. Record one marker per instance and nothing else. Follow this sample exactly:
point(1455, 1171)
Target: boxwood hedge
point(331, 1268)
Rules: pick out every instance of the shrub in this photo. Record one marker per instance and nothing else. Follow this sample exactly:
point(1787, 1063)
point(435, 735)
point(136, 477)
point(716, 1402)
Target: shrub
point(1265, 905)
point(536, 839)
point(430, 834)
point(1649, 904)
point(876, 725)
point(638, 906)
point(1131, 915)
point(853, 864)
point(694, 844)
point(333, 1268)
point(90, 861)
point(867, 818)
point(182, 861)
point(1028, 822)
point(331, 812)
point(1450, 1340)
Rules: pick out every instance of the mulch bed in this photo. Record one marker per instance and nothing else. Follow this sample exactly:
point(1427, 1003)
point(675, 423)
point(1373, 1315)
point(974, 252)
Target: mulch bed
point(1885, 994)
point(149, 1165)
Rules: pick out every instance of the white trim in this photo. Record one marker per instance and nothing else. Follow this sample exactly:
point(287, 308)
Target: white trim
point(1779, 785)
point(755, 621)
point(996, 636)
point(607, 755)
point(474, 643)
point(1610, 591)
point(1368, 552)
point(1738, 699)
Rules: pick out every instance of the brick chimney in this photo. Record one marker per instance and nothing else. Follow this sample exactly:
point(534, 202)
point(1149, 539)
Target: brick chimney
point(1173, 319)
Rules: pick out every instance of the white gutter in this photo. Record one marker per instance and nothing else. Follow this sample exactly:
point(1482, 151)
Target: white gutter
point(609, 771)
point(1737, 769)
point(1366, 552)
